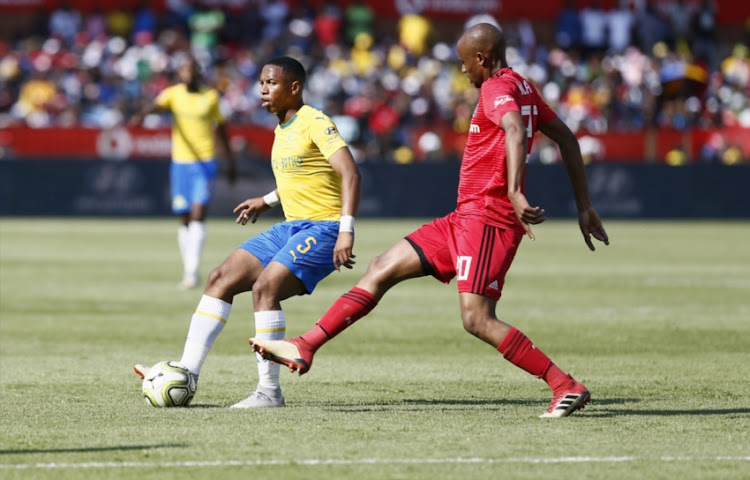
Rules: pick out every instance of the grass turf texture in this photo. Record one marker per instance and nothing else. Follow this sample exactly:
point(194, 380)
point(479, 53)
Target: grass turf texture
point(656, 325)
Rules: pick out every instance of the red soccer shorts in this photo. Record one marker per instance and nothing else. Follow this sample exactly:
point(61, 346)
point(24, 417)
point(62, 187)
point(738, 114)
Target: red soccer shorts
point(477, 254)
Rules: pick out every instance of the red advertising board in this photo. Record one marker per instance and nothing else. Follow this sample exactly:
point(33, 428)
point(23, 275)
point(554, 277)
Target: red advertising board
point(117, 144)
point(134, 144)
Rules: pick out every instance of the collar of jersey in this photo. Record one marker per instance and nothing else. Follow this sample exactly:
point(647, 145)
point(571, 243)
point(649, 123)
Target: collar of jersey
point(502, 72)
point(291, 121)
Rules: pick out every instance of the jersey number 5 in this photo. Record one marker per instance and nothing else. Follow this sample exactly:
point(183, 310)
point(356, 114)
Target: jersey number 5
point(309, 242)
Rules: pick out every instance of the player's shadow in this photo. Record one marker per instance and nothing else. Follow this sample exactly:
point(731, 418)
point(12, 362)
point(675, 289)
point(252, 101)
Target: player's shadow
point(118, 448)
point(614, 412)
point(430, 405)
point(600, 407)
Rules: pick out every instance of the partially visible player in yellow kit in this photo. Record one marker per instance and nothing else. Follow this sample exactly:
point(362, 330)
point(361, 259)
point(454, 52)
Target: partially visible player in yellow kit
point(197, 120)
point(318, 186)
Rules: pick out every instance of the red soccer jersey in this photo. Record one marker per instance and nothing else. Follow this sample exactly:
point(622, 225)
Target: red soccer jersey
point(483, 182)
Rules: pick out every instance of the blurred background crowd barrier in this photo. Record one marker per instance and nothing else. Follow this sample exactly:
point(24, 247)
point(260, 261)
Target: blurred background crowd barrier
point(633, 190)
point(646, 85)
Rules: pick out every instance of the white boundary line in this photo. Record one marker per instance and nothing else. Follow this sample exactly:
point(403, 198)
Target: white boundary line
point(363, 461)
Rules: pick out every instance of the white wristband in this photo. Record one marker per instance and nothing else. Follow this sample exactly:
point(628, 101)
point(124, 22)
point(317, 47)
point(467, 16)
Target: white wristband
point(346, 223)
point(271, 199)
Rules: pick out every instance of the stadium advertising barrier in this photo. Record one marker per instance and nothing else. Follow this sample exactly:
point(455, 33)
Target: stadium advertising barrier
point(141, 144)
point(97, 188)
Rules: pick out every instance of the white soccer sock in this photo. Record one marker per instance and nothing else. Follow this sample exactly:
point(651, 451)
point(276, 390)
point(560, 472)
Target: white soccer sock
point(269, 325)
point(207, 323)
point(182, 241)
point(194, 250)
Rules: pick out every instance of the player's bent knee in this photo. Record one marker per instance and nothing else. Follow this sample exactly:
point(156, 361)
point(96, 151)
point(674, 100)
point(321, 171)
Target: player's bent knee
point(473, 322)
point(220, 283)
point(379, 270)
point(265, 290)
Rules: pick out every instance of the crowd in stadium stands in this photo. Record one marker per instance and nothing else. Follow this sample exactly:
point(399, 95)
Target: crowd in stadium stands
point(626, 68)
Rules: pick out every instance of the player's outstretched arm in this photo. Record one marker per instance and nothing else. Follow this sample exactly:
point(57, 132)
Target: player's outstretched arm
point(223, 134)
point(137, 118)
point(351, 191)
point(570, 150)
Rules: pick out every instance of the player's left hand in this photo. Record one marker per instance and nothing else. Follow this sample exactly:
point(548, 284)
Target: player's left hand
point(342, 252)
point(250, 209)
point(591, 225)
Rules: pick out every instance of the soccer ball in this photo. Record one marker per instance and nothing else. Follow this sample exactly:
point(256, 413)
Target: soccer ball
point(169, 384)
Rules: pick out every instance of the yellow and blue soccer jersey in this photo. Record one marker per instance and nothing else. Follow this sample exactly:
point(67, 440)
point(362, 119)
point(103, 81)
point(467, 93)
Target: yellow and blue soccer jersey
point(308, 186)
point(195, 116)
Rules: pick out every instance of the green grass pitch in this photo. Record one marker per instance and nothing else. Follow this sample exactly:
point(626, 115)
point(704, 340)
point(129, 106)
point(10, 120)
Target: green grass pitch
point(657, 325)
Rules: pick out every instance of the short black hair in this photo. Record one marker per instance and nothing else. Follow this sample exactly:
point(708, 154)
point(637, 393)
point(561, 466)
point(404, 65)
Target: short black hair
point(291, 67)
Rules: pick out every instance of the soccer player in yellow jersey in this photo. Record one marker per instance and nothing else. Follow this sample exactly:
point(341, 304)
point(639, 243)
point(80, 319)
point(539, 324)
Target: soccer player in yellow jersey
point(318, 186)
point(195, 108)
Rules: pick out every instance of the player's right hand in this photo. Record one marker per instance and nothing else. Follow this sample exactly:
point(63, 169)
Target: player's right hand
point(250, 209)
point(135, 120)
point(527, 214)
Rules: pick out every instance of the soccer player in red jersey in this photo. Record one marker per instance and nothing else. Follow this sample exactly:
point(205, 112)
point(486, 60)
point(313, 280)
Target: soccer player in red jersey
point(475, 243)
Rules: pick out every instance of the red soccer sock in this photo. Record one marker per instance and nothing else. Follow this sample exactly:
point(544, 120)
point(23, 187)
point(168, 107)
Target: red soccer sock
point(350, 307)
point(518, 350)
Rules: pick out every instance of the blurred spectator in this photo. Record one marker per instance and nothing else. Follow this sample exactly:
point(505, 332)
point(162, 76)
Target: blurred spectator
point(359, 18)
point(145, 20)
point(205, 23)
point(119, 22)
point(527, 39)
point(275, 15)
point(65, 23)
point(327, 25)
point(703, 27)
point(96, 24)
point(593, 28)
point(35, 98)
point(680, 16)
point(652, 29)
point(568, 26)
point(620, 23)
point(415, 33)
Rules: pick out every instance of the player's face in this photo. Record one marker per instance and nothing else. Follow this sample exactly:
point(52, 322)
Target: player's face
point(275, 89)
point(469, 62)
point(188, 71)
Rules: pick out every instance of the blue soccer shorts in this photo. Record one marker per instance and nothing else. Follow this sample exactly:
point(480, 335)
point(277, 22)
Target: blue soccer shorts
point(192, 183)
point(304, 246)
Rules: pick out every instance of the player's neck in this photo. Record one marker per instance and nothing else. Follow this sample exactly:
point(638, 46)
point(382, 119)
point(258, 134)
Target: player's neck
point(499, 65)
point(288, 114)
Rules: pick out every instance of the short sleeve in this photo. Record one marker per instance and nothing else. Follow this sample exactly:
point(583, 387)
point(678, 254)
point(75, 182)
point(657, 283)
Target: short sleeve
point(164, 99)
point(497, 100)
point(326, 136)
point(546, 114)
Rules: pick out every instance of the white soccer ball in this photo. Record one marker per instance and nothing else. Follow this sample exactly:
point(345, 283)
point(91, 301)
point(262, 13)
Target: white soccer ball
point(169, 384)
